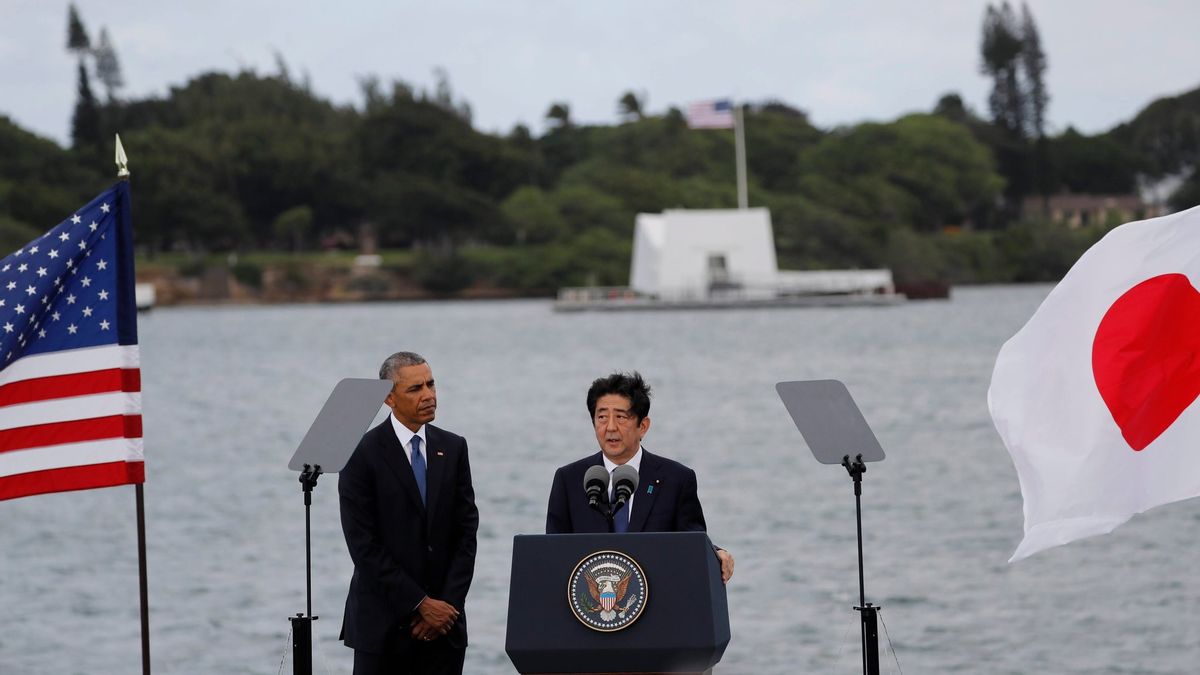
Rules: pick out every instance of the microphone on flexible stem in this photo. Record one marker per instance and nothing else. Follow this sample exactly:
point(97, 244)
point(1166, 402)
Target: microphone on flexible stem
point(625, 482)
point(595, 484)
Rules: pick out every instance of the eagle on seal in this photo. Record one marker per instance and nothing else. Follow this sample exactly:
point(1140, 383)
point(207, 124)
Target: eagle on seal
point(609, 590)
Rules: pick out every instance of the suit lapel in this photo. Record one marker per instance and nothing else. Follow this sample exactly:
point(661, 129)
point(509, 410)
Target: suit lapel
point(397, 461)
point(435, 468)
point(647, 491)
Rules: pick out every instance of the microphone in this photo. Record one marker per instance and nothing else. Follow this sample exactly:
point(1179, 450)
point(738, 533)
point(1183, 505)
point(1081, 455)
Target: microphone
point(625, 480)
point(595, 484)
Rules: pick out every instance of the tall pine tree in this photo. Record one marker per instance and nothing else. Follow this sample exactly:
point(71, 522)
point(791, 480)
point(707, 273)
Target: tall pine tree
point(1013, 57)
point(108, 69)
point(1033, 66)
point(77, 37)
point(85, 123)
point(1001, 51)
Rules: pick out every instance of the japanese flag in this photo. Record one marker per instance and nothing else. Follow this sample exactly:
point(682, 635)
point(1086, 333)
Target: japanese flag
point(1094, 397)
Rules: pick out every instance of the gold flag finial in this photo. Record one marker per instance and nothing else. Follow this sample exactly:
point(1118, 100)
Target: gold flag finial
point(122, 160)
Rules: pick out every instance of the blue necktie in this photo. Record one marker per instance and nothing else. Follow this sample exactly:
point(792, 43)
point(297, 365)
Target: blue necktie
point(418, 466)
point(621, 519)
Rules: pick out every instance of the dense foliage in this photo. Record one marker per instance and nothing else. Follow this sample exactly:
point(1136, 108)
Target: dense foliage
point(239, 162)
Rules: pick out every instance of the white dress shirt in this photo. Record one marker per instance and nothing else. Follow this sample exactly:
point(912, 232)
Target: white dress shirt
point(406, 435)
point(635, 462)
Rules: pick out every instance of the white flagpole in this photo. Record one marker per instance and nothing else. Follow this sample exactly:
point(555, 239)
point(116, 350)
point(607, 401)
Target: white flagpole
point(739, 138)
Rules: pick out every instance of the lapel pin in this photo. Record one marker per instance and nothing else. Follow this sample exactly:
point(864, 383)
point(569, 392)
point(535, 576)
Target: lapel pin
point(649, 489)
point(440, 453)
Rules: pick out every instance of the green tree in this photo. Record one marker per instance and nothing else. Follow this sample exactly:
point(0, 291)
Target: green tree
point(563, 145)
point(534, 216)
point(1001, 50)
point(583, 207)
point(951, 107)
point(1092, 164)
point(559, 115)
point(40, 183)
point(443, 96)
point(108, 68)
point(809, 235)
point(183, 199)
point(14, 234)
point(1033, 65)
point(921, 171)
point(631, 106)
point(1013, 57)
point(294, 226)
point(77, 37)
point(1187, 194)
point(1165, 135)
point(85, 122)
point(778, 134)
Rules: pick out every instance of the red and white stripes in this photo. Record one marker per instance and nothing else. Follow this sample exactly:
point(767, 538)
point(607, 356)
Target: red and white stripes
point(71, 420)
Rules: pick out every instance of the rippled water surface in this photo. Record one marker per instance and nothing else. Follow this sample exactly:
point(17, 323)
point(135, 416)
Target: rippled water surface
point(229, 392)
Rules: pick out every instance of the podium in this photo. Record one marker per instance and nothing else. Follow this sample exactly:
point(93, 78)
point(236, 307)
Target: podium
point(666, 606)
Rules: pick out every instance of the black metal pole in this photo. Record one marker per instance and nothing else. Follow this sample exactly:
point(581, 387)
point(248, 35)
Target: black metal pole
point(143, 586)
point(302, 623)
point(308, 550)
point(862, 589)
point(870, 628)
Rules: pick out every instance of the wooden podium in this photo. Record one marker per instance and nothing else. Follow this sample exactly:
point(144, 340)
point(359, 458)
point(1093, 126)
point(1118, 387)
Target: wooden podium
point(682, 622)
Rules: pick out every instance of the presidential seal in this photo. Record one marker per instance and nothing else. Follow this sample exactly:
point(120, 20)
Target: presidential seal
point(607, 591)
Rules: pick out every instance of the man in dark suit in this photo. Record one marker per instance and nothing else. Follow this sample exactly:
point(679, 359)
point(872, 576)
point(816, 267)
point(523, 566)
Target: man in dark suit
point(409, 517)
point(666, 498)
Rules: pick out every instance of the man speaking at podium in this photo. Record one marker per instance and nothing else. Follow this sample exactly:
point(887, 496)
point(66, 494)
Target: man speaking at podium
point(665, 499)
point(409, 517)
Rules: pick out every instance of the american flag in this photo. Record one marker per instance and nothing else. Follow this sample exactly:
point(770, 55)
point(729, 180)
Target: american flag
point(70, 383)
point(715, 114)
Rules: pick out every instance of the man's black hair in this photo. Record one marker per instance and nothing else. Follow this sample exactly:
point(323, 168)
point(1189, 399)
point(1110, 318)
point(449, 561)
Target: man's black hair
point(629, 385)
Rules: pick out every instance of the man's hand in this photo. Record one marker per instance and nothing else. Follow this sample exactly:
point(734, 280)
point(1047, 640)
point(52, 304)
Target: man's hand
point(421, 630)
point(434, 619)
point(726, 564)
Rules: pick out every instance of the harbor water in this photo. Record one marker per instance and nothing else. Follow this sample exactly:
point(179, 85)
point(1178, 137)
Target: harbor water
point(228, 393)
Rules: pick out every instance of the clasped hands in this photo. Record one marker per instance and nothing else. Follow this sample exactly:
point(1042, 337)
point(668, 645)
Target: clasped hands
point(433, 619)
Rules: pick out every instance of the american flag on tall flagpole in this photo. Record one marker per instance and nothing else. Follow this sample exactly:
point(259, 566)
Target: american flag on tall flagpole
point(712, 114)
point(70, 381)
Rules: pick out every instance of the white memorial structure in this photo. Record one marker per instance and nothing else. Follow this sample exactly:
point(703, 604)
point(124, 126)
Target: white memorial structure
point(685, 253)
point(722, 258)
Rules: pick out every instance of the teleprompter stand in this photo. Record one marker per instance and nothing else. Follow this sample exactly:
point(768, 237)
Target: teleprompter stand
point(835, 429)
point(325, 449)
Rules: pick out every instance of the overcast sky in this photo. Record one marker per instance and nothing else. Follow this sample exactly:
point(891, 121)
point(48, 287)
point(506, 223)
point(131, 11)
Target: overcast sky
point(842, 61)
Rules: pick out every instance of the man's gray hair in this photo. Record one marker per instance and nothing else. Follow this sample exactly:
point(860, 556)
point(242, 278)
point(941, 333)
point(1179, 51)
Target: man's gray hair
point(397, 361)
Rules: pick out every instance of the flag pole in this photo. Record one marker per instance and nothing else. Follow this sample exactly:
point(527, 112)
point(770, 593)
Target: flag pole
point(739, 138)
point(139, 493)
point(121, 160)
point(142, 585)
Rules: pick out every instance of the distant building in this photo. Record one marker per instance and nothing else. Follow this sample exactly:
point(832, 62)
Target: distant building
point(696, 253)
point(722, 259)
point(1078, 210)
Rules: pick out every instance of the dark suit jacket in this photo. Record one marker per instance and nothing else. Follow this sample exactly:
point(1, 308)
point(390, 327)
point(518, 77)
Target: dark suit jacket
point(665, 500)
point(401, 550)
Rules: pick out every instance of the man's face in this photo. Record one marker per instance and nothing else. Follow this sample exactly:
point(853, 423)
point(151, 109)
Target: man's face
point(617, 428)
point(413, 398)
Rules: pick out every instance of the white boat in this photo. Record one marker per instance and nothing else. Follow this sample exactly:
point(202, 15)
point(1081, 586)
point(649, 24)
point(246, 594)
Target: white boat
point(144, 296)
